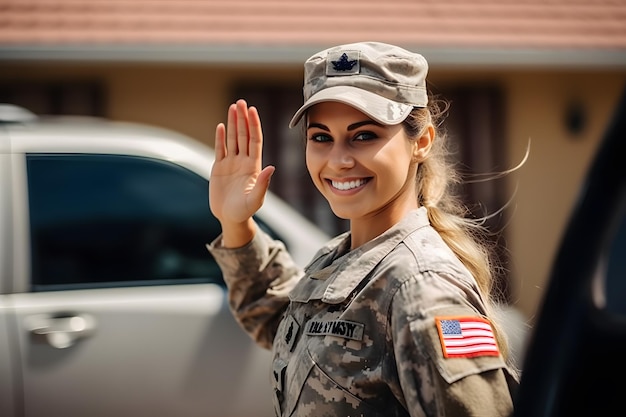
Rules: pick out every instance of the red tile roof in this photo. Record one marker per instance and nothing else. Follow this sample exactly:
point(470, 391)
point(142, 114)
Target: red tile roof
point(506, 24)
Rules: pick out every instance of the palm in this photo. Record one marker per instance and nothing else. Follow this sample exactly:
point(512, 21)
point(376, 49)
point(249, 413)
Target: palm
point(232, 181)
point(238, 184)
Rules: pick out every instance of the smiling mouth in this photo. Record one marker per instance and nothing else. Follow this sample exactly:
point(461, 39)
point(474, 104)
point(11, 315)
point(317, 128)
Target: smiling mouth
point(348, 185)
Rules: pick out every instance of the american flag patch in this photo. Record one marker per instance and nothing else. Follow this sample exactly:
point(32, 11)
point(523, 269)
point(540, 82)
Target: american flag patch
point(466, 337)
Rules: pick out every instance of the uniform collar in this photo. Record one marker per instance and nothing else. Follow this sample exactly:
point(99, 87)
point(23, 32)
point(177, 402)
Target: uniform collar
point(332, 277)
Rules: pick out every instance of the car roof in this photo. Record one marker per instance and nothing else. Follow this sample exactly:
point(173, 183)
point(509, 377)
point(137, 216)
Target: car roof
point(80, 134)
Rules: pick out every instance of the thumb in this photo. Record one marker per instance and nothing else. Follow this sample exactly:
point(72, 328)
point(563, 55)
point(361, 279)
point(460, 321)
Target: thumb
point(263, 183)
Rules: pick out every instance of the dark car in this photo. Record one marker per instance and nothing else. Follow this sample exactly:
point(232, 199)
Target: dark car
point(576, 359)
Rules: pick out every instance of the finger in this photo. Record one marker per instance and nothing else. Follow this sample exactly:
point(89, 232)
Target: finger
point(242, 126)
point(256, 134)
point(262, 184)
point(220, 145)
point(266, 175)
point(231, 131)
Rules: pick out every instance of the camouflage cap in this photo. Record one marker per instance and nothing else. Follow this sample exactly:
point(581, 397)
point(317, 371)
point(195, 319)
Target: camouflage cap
point(381, 80)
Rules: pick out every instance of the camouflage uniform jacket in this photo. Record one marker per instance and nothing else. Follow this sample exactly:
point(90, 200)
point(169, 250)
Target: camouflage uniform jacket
point(362, 332)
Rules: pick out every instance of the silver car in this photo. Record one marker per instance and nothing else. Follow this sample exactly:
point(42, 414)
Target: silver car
point(110, 304)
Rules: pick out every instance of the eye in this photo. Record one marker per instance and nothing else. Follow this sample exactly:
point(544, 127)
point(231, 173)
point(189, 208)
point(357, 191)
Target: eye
point(320, 137)
point(363, 136)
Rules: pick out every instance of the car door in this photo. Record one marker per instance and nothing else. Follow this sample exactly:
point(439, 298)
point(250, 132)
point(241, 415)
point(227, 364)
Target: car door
point(119, 308)
point(7, 351)
point(7, 376)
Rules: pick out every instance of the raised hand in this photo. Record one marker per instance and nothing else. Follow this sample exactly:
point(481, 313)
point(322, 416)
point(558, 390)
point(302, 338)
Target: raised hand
point(238, 183)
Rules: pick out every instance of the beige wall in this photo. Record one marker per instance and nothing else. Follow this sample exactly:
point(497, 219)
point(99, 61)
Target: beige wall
point(193, 99)
point(547, 186)
point(190, 100)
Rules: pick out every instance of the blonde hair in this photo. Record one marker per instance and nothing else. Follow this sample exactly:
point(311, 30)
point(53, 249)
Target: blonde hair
point(466, 236)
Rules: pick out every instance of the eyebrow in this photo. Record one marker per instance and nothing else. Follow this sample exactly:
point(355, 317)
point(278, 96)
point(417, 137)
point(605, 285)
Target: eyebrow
point(351, 127)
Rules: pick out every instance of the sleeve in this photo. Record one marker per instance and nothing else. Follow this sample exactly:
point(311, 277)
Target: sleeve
point(259, 277)
point(446, 355)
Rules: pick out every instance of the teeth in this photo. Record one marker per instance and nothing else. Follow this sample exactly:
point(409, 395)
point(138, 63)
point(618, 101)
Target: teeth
point(348, 185)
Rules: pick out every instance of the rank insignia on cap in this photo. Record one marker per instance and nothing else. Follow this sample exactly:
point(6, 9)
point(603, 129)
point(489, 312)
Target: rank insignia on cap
point(343, 63)
point(466, 337)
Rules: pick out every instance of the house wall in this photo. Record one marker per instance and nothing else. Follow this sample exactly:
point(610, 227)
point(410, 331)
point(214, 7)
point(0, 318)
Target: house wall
point(548, 185)
point(193, 99)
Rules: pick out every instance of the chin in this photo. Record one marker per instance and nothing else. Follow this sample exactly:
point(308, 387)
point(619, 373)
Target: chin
point(343, 213)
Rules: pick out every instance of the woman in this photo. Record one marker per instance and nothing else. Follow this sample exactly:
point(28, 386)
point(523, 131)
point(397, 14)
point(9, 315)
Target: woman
point(392, 318)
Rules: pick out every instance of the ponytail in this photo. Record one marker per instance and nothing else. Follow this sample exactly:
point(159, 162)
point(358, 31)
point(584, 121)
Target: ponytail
point(466, 237)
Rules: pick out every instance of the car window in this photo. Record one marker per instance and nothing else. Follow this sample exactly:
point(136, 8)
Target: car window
point(110, 220)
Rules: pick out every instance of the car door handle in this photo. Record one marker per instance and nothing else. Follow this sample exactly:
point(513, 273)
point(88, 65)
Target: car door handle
point(60, 331)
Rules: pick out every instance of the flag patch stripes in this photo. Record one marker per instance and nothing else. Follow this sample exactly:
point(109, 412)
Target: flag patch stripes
point(466, 337)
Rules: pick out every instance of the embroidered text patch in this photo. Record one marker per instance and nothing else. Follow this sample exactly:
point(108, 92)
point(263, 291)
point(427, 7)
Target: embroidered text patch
point(341, 328)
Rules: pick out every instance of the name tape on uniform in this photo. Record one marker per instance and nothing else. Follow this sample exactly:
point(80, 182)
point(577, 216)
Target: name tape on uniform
point(340, 328)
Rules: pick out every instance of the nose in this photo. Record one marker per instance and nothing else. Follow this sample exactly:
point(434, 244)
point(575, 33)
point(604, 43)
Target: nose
point(340, 157)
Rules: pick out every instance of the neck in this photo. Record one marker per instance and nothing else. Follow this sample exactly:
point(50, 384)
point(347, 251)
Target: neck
point(362, 230)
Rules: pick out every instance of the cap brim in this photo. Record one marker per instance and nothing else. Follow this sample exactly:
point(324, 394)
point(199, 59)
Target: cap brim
point(380, 109)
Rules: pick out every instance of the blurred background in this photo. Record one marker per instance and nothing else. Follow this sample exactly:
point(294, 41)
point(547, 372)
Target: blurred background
point(517, 73)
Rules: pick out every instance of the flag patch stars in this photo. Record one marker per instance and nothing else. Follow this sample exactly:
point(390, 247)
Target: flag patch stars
point(466, 337)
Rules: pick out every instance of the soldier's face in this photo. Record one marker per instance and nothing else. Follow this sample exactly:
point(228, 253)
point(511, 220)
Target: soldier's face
point(364, 169)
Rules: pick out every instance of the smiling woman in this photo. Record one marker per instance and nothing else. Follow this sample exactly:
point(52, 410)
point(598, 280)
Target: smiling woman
point(365, 170)
point(393, 317)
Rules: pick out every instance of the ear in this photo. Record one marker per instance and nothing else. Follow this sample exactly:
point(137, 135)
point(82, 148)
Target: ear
point(423, 144)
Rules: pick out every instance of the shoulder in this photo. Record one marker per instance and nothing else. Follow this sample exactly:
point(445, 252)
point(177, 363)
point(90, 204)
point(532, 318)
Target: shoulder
point(424, 274)
point(431, 252)
point(423, 257)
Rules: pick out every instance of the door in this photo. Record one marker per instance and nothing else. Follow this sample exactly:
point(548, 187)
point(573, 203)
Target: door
point(123, 311)
point(8, 371)
point(8, 376)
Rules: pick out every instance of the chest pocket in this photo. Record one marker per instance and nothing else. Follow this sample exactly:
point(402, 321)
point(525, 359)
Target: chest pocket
point(309, 388)
point(321, 367)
